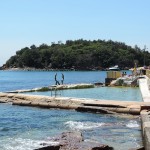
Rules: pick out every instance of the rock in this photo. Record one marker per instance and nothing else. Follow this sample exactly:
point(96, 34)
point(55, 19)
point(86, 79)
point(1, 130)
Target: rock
point(99, 84)
point(94, 109)
point(75, 141)
point(53, 147)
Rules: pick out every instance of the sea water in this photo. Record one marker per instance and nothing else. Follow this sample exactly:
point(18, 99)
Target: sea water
point(14, 80)
point(25, 128)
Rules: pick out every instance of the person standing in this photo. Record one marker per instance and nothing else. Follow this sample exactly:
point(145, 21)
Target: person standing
point(62, 81)
point(56, 78)
point(56, 81)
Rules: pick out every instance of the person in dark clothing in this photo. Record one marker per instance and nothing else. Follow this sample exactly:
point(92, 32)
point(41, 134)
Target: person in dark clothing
point(56, 77)
point(62, 81)
point(56, 81)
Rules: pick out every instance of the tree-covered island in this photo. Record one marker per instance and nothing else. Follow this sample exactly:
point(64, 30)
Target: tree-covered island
point(79, 55)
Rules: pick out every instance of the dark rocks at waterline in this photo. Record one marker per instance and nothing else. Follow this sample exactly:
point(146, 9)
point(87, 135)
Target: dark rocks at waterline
point(74, 141)
point(99, 84)
point(53, 147)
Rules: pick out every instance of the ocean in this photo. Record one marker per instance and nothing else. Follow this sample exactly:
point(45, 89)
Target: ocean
point(25, 128)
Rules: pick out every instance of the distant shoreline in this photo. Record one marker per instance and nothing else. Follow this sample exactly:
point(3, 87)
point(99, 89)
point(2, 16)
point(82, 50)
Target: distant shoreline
point(44, 69)
point(35, 69)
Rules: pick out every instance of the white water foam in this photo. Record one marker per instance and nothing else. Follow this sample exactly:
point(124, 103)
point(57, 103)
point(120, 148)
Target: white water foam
point(74, 125)
point(24, 144)
point(132, 124)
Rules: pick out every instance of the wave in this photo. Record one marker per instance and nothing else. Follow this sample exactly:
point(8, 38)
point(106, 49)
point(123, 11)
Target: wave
point(75, 125)
point(132, 124)
point(24, 144)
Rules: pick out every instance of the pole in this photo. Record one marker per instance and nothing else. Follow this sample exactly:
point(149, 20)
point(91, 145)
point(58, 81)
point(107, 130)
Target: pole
point(144, 54)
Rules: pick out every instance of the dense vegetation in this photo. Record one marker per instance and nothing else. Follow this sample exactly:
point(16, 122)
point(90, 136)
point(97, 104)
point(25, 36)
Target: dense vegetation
point(79, 54)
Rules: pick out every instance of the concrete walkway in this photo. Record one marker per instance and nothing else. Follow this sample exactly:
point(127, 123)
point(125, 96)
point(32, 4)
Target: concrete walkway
point(144, 88)
point(145, 111)
point(92, 105)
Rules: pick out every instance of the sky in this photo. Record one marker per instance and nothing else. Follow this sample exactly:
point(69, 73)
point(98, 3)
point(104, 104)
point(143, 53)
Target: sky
point(27, 22)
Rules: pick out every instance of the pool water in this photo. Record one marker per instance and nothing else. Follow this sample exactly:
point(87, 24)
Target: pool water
point(107, 93)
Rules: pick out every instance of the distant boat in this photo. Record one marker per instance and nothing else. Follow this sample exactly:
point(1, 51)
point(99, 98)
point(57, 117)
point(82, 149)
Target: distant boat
point(114, 68)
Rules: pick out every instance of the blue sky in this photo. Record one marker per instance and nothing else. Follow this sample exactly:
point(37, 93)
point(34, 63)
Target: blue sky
point(27, 22)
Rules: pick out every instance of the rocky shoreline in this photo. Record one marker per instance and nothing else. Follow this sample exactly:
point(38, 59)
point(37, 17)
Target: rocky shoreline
point(56, 87)
point(49, 69)
point(73, 141)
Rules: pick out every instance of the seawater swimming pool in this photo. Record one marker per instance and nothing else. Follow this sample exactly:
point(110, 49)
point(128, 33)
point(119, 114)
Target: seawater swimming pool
point(107, 93)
